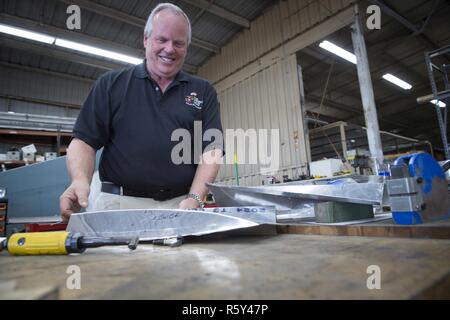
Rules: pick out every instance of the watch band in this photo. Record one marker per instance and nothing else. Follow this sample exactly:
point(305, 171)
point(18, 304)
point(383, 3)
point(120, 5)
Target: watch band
point(196, 197)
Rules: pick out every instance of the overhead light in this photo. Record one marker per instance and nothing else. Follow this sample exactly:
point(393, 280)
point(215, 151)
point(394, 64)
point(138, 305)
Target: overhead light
point(18, 32)
point(398, 82)
point(11, 112)
point(97, 51)
point(439, 103)
point(26, 34)
point(327, 45)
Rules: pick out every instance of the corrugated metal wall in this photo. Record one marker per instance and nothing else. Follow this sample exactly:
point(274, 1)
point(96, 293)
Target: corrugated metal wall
point(36, 108)
point(267, 100)
point(28, 84)
point(25, 91)
point(257, 80)
point(281, 23)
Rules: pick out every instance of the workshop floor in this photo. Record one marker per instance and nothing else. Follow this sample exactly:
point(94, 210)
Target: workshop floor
point(285, 266)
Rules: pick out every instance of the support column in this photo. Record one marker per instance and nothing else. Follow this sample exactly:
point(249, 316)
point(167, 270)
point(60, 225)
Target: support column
point(343, 141)
point(367, 96)
point(301, 89)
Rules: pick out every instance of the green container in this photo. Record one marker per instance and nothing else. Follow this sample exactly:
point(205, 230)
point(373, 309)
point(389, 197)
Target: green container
point(331, 212)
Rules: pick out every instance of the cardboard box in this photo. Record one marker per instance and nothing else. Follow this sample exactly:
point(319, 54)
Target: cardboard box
point(325, 168)
point(29, 149)
point(13, 155)
point(50, 155)
point(28, 156)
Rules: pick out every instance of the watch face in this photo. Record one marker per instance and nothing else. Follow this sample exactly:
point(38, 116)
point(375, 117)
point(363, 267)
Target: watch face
point(196, 197)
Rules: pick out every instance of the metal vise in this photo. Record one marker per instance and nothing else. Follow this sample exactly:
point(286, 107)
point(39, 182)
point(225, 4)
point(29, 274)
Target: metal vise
point(418, 190)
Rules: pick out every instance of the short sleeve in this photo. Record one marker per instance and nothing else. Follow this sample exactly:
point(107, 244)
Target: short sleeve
point(93, 122)
point(211, 123)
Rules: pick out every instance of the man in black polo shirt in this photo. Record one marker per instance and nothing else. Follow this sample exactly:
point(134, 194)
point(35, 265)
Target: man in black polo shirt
point(133, 113)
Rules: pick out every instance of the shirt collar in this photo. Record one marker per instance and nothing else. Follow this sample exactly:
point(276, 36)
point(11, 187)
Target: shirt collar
point(142, 73)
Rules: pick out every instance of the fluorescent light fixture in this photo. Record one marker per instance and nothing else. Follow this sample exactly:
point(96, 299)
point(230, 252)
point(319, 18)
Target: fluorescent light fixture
point(327, 45)
point(439, 103)
point(11, 112)
point(398, 82)
point(18, 32)
point(97, 51)
point(26, 34)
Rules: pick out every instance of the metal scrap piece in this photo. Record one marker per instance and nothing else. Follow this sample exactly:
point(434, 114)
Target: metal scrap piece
point(171, 242)
point(149, 224)
point(363, 193)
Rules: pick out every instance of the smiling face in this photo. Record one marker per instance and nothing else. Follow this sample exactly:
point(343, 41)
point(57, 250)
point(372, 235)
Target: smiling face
point(166, 46)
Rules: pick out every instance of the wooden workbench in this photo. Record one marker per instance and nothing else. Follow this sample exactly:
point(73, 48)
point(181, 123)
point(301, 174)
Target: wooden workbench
point(385, 228)
point(285, 266)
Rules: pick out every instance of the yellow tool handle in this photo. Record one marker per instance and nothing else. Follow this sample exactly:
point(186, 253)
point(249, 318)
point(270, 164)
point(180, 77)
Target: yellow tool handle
point(35, 243)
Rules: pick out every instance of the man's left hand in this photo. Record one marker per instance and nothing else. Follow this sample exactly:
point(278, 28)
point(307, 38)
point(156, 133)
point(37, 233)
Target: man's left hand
point(189, 203)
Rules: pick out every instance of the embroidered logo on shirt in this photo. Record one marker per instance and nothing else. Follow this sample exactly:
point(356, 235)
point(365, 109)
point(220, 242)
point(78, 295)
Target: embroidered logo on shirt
point(192, 100)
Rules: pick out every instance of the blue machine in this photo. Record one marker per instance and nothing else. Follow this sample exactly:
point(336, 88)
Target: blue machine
point(418, 190)
point(34, 190)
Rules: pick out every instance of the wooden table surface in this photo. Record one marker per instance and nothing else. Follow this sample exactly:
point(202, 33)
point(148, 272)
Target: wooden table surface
point(284, 266)
point(385, 228)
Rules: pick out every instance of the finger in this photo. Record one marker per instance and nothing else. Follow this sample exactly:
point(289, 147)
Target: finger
point(66, 216)
point(82, 198)
point(65, 204)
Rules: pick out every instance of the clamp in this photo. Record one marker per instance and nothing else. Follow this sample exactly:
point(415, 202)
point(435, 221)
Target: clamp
point(418, 190)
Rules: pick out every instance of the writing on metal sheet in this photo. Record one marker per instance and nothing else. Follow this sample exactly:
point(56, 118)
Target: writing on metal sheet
point(243, 209)
point(169, 216)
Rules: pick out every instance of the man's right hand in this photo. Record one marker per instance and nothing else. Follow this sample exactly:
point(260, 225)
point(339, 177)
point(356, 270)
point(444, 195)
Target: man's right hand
point(73, 199)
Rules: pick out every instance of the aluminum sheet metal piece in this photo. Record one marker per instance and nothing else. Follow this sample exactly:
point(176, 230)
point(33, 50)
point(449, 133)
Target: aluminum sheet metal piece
point(152, 224)
point(288, 197)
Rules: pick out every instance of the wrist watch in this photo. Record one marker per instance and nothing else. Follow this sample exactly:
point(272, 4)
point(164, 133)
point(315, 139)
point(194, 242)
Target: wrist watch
point(196, 197)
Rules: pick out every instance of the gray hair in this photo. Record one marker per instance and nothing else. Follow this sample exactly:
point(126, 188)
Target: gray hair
point(173, 9)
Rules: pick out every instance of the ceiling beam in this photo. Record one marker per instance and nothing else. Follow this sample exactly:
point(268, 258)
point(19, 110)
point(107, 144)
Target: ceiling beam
point(317, 117)
point(397, 16)
point(220, 12)
point(405, 22)
point(327, 103)
point(108, 12)
point(375, 47)
point(79, 37)
point(394, 63)
point(378, 46)
point(61, 54)
point(358, 114)
point(51, 73)
point(431, 128)
point(132, 20)
point(391, 111)
point(394, 108)
point(66, 34)
point(381, 106)
point(40, 101)
point(376, 59)
point(205, 45)
point(317, 56)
